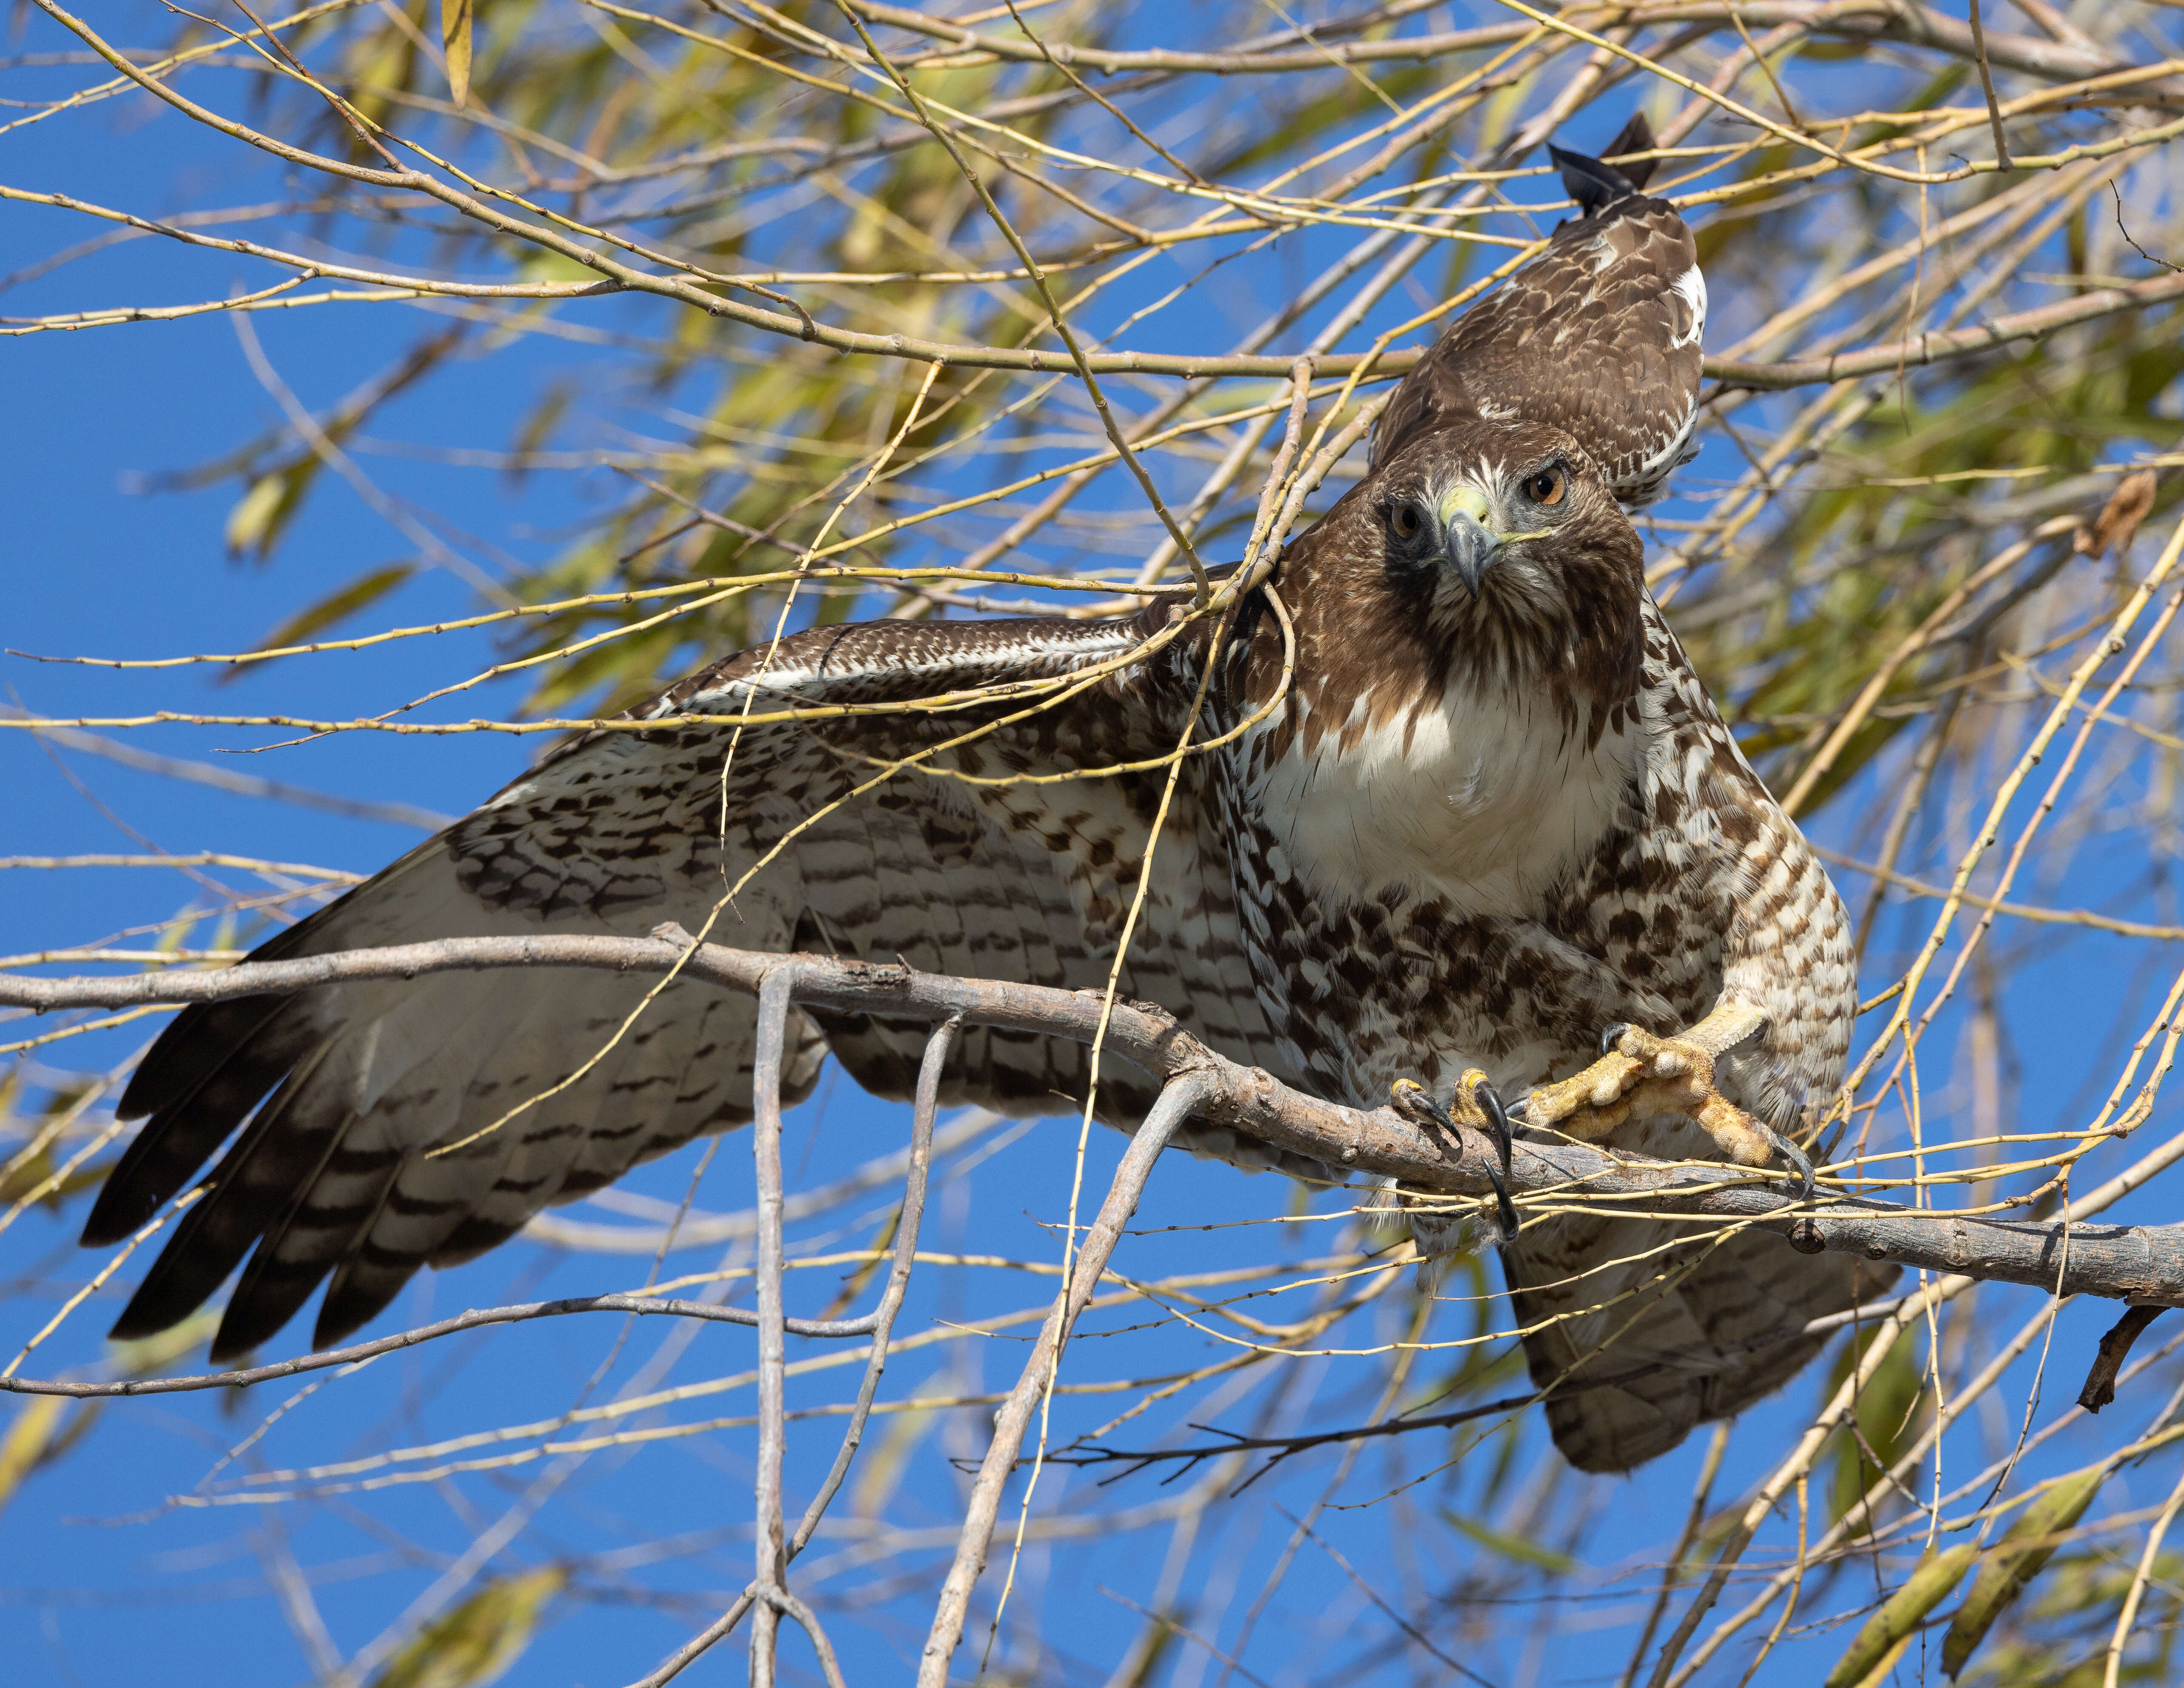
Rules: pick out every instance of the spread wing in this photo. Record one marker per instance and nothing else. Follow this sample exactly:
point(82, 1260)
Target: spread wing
point(1599, 335)
point(619, 831)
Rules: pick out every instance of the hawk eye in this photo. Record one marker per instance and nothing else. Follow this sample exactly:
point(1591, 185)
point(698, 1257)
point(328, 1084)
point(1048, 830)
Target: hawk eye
point(1545, 487)
point(1405, 522)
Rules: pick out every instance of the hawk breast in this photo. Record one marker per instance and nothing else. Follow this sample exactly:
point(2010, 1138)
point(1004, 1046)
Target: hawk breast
point(1484, 797)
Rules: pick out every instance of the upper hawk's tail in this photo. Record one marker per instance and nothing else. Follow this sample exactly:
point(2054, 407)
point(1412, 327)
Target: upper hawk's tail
point(1594, 184)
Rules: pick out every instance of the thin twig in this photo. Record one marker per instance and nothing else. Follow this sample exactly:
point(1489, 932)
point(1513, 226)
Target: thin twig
point(1178, 1099)
point(774, 990)
point(938, 1048)
point(358, 1353)
point(2100, 1384)
point(1987, 84)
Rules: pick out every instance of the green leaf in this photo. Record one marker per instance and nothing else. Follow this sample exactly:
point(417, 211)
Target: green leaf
point(1886, 1420)
point(360, 594)
point(254, 525)
point(1512, 1547)
point(29, 1442)
point(34, 1173)
point(881, 1471)
point(1886, 1634)
point(2015, 1560)
point(476, 1643)
point(455, 18)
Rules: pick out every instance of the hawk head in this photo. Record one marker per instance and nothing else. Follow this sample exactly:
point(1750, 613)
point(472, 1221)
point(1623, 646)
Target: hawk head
point(1484, 552)
point(1504, 521)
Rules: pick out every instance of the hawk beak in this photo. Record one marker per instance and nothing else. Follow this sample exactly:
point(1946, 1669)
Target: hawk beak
point(1468, 541)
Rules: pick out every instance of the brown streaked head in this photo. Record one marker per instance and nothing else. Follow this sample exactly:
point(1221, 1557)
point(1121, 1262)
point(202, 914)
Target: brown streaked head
point(1505, 521)
point(1482, 553)
point(1494, 546)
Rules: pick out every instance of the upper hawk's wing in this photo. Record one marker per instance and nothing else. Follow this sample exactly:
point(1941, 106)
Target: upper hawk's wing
point(618, 832)
point(1599, 335)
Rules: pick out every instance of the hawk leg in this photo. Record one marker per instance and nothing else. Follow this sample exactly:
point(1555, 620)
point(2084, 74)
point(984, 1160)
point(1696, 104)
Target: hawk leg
point(1476, 1104)
point(1638, 1073)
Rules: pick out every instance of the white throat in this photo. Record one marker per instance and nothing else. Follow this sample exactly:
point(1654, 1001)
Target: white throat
point(1480, 799)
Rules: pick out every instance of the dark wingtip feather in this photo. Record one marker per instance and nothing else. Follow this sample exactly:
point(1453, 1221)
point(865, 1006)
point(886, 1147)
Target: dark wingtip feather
point(362, 1287)
point(136, 1322)
point(113, 1218)
point(1636, 136)
point(283, 1273)
point(220, 1069)
point(271, 1294)
point(279, 1153)
point(203, 1038)
point(188, 1270)
point(1596, 185)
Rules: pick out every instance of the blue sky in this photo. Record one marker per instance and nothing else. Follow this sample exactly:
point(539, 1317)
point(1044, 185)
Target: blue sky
point(104, 1581)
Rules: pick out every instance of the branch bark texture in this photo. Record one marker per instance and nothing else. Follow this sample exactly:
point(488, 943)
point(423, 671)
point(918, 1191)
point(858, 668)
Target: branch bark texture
point(2140, 1263)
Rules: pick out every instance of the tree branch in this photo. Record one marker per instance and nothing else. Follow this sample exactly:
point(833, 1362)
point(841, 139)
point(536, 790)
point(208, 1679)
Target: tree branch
point(2141, 1263)
point(476, 1319)
point(1945, 344)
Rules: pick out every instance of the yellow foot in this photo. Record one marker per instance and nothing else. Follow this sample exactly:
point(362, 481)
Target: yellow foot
point(1639, 1073)
point(1476, 1104)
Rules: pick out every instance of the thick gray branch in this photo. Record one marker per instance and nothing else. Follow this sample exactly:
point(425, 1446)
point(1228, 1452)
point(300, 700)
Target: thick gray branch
point(2126, 1262)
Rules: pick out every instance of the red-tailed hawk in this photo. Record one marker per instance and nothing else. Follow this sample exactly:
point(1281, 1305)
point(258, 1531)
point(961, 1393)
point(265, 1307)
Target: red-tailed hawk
point(1496, 815)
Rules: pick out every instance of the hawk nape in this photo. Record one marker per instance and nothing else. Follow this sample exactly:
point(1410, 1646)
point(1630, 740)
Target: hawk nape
point(1495, 815)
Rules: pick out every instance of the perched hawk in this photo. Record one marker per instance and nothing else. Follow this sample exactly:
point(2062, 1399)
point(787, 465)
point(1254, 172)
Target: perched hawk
point(1495, 815)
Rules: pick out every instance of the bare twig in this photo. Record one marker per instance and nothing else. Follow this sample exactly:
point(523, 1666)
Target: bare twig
point(1178, 1098)
point(938, 1047)
point(243, 785)
point(357, 1354)
point(1987, 84)
point(775, 986)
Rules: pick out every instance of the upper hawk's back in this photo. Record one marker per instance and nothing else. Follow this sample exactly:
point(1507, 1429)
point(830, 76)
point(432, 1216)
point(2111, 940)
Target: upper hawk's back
point(1599, 336)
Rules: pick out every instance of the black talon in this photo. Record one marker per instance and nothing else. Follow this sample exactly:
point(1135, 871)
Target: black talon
point(1612, 1035)
point(1798, 1159)
point(1505, 1210)
point(1411, 1098)
point(1497, 1119)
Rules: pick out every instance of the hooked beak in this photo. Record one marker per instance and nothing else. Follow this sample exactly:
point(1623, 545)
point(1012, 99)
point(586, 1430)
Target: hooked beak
point(1468, 541)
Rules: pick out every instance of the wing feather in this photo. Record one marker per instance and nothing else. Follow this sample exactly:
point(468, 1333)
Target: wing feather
point(335, 1175)
point(1642, 1340)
